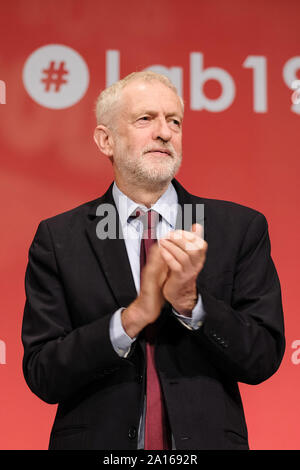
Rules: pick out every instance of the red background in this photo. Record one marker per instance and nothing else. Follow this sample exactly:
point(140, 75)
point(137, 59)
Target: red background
point(49, 162)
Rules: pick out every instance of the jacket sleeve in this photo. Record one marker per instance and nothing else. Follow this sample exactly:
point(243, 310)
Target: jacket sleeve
point(245, 337)
point(58, 359)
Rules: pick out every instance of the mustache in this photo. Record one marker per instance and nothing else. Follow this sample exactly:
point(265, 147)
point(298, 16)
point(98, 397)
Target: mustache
point(167, 148)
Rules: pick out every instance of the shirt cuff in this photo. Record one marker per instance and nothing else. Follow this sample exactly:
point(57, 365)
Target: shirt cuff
point(120, 340)
point(196, 320)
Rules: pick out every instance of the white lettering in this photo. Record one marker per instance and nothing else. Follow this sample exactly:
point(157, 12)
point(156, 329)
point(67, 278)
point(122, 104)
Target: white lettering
point(296, 95)
point(112, 67)
point(199, 76)
point(290, 75)
point(2, 92)
point(2, 352)
point(173, 73)
point(296, 354)
point(113, 460)
point(259, 66)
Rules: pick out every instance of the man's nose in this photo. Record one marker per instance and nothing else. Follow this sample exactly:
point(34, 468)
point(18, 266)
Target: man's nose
point(162, 130)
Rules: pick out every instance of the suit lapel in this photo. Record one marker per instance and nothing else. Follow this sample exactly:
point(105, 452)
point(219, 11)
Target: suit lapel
point(111, 253)
point(191, 215)
point(189, 212)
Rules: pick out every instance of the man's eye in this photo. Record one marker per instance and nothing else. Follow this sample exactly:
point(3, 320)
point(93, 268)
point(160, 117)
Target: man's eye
point(176, 122)
point(144, 118)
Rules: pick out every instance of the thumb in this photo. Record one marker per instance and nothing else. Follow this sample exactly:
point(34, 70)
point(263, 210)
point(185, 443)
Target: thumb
point(198, 229)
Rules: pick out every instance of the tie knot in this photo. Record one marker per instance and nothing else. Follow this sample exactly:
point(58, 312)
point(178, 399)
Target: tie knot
point(149, 220)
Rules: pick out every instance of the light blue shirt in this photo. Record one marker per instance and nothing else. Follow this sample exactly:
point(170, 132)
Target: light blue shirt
point(166, 206)
point(132, 230)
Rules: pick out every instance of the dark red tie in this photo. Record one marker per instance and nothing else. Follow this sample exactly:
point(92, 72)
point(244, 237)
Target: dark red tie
point(156, 428)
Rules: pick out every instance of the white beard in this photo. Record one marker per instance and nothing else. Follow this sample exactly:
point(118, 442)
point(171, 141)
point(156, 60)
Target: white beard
point(147, 170)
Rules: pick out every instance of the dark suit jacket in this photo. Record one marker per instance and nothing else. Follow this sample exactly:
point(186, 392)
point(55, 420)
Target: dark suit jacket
point(75, 282)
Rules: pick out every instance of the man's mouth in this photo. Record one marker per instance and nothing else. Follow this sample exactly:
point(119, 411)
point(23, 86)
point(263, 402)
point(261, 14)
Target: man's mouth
point(160, 152)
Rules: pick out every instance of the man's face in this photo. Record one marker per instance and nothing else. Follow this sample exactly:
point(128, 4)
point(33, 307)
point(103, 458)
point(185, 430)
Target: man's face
point(148, 136)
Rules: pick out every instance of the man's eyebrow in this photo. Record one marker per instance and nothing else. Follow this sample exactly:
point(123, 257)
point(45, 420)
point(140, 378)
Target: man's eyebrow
point(145, 111)
point(175, 114)
point(153, 112)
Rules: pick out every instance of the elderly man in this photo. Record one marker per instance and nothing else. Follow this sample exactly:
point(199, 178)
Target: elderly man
point(142, 343)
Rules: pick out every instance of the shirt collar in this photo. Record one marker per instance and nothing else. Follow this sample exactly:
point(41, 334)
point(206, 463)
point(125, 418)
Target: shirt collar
point(166, 205)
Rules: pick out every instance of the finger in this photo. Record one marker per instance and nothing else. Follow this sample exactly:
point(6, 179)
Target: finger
point(195, 252)
point(187, 241)
point(180, 236)
point(198, 230)
point(170, 260)
point(177, 252)
point(154, 258)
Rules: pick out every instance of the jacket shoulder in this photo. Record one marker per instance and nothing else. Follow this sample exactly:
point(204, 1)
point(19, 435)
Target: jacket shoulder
point(69, 216)
point(220, 205)
point(218, 208)
point(70, 220)
point(223, 214)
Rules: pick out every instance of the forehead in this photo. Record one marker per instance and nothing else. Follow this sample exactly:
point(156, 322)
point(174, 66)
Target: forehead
point(139, 96)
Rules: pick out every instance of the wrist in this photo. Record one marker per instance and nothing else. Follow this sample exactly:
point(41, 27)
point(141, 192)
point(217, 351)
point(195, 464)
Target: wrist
point(186, 304)
point(185, 310)
point(134, 319)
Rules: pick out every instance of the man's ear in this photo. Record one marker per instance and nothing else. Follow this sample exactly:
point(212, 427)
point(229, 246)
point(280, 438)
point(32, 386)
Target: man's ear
point(104, 140)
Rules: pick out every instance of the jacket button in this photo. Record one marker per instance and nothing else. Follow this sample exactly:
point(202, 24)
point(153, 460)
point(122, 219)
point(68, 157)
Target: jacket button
point(132, 432)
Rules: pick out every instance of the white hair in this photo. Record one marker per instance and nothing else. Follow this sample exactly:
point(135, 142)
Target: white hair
point(110, 97)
